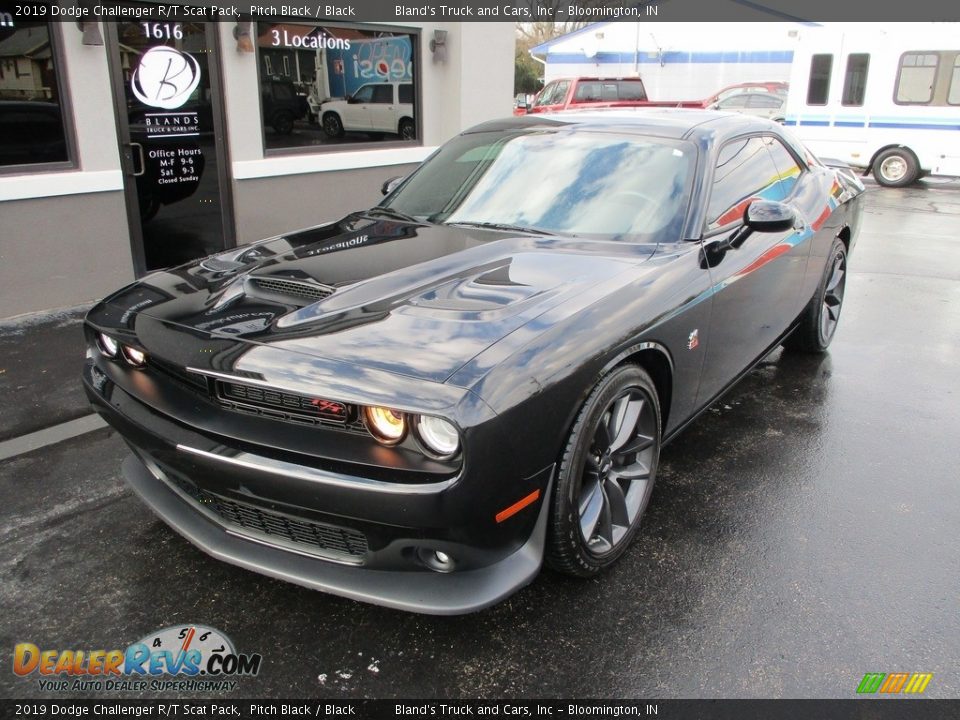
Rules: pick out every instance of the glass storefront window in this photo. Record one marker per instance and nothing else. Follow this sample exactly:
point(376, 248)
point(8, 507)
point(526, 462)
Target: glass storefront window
point(328, 86)
point(32, 129)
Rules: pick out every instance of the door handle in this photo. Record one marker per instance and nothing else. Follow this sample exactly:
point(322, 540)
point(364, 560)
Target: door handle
point(143, 159)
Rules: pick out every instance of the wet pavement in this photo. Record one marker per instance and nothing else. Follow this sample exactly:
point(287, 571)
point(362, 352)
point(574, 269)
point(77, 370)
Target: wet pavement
point(803, 532)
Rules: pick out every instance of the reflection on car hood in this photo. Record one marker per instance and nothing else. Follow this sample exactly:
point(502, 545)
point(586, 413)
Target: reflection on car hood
point(414, 299)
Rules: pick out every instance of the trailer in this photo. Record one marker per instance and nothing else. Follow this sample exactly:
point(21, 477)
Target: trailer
point(885, 99)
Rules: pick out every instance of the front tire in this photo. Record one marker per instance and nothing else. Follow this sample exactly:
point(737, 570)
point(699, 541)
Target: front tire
point(818, 324)
point(606, 474)
point(407, 130)
point(332, 125)
point(896, 167)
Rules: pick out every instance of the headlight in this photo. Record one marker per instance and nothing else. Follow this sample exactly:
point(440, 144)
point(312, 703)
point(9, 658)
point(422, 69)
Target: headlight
point(135, 357)
point(438, 435)
point(108, 346)
point(388, 426)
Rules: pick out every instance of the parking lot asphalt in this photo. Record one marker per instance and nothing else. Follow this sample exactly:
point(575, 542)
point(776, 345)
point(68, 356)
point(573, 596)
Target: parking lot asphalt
point(802, 533)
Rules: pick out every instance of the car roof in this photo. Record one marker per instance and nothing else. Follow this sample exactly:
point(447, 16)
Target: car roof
point(675, 123)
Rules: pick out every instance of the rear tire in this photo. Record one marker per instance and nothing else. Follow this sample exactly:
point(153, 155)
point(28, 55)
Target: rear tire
point(896, 167)
point(283, 123)
point(606, 474)
point(818, 324)
point(408, 130)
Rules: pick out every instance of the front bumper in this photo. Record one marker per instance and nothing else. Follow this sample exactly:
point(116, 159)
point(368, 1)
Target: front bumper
point(255, 507)
point(422, 592)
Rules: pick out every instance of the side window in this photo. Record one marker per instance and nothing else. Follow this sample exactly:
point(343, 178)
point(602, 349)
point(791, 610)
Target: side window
point(282, 91)
point(734, 101)
point(587, 92)
point(631, 90)
point(33, 119)
point(918, 72)
point(788, 170)
point(855, 79)
point(745, 172)
point(554, 93)
point(364, 94)
point(764, 100)
point(321, 66)
point(953, 94)
point(383, 94)
point(818, 90)
point(544, 98)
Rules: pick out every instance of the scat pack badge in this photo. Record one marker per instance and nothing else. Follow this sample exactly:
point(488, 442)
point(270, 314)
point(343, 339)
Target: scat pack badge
point(197, 657)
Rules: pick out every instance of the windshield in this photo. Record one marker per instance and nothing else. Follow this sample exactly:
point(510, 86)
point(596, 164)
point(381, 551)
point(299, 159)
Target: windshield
point(587, 184)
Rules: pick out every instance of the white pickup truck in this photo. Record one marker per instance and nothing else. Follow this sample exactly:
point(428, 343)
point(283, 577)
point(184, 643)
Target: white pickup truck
point(375, 108)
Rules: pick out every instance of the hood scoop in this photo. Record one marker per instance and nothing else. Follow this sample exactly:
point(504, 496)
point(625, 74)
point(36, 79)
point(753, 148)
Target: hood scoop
point(289, 291)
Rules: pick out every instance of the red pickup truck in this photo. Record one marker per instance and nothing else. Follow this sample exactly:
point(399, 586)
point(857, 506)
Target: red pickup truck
point(594, 92)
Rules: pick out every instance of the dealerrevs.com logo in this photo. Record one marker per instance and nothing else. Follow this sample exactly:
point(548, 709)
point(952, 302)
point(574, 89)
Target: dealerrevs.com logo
point(181, 658)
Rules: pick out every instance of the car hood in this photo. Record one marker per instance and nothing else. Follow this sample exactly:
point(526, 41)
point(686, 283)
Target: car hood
point(419, 300)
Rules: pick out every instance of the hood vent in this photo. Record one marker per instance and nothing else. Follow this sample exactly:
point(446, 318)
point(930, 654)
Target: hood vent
point(299, 291)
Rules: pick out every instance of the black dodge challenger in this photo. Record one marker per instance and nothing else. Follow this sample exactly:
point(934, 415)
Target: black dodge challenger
point(419, 403)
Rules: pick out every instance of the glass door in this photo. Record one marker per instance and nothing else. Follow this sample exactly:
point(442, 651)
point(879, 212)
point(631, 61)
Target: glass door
point(167, 94)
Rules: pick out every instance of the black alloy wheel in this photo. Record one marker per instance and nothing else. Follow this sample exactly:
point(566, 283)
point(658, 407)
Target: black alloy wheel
point(819, 320)
point(607, 473)
point(833, 297)
point(332, 125)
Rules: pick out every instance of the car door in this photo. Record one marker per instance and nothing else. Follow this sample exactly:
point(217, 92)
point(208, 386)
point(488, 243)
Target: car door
point(757, 277)
point(383, 109)
point(356, 113)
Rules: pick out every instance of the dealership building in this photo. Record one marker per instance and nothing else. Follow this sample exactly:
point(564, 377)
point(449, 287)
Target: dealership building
point(127, 146)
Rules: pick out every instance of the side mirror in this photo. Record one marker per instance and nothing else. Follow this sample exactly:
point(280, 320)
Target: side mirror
point(767, 216)
point(390, 184)
point(351, 100)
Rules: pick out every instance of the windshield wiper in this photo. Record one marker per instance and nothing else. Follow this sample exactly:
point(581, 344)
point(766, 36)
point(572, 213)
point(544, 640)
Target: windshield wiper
point(498, 226)
point(395, 214)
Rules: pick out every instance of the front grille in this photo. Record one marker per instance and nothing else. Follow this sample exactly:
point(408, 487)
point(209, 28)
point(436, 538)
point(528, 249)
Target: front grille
point(192, 380)
point(310, 535)
point(292, 288)
point(282, 405)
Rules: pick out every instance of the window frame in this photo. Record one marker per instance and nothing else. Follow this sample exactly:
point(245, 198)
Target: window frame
point(416, 39)
point(705, 232)
point(66, 114)
point(933, 85)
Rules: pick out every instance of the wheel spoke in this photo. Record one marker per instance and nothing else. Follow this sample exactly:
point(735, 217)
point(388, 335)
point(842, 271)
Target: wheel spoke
point(618, 503)
point(601, 439)
point(624, 418)
point(637, 445)
point(591, 505)
point(637, 471)
point(605, 525)
point(835, 278)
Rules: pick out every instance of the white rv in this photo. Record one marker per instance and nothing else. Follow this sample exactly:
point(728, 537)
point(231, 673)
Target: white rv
point(885, 98)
